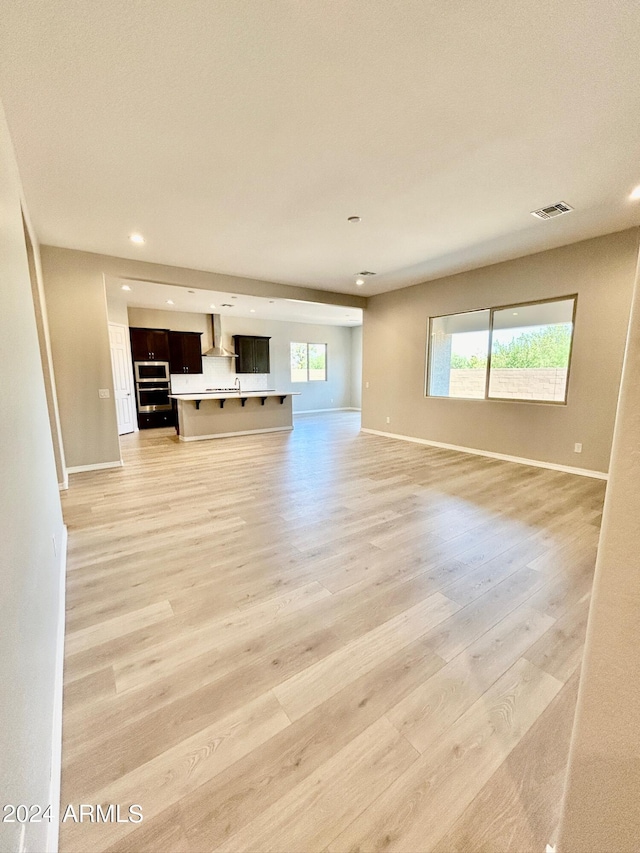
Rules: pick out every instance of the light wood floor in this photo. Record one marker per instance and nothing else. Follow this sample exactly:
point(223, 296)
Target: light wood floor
point(322, 641)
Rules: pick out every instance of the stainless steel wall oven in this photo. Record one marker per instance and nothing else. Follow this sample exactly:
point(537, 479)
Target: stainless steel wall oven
point(153, 396)
point(153, 386)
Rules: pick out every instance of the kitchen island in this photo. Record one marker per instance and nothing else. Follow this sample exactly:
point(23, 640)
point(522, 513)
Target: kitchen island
point(217, 414)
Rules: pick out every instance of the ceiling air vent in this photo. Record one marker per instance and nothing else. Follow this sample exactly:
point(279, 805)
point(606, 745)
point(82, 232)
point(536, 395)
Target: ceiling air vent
point(553, 210)
point(366, 272)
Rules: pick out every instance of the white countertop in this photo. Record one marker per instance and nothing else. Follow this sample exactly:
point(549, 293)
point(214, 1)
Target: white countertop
point(229, 395)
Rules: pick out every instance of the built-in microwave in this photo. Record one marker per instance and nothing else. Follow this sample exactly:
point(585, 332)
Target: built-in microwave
point(151, 371)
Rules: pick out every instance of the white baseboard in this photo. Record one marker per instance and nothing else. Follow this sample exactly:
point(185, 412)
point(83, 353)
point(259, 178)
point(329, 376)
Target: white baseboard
point(231, 434)
point(56, 734)
point(520, 460)
point(99, 466)
point(64, 485)
point(337, 409)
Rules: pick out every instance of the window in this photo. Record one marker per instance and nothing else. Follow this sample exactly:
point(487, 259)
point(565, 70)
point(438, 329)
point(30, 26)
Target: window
point(458, 362)
point(517, 352)
point(308, 362)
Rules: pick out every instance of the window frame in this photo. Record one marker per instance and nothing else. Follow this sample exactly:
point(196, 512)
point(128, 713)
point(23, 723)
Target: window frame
point(492, 311)
point(307, 344)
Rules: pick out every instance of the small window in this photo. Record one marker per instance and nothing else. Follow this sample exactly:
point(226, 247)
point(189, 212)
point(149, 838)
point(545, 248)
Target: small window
point(525, 350)
point(458, 361)
point(308, 362)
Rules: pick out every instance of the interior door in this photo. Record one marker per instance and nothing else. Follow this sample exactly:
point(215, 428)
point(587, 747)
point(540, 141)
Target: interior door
point(122, 378)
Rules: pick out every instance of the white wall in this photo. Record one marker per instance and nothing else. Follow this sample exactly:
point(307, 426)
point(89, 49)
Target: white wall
point(603, 781)
point(44, 341)
point(31, 531)
point(117, 312)
point(356, 367)
point(79, 329)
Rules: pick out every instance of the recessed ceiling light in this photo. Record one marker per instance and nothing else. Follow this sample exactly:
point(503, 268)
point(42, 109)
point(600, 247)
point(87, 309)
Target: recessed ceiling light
point(212, 305)
point(136, 238)
point(252, 310)
point(635, 194)
point(359, 282)
point(169, 301)
point(515, 313)
point(354, 219)
point(125, 287)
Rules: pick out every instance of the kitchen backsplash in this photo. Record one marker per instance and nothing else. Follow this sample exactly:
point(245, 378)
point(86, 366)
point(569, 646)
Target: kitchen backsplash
point(218, 373)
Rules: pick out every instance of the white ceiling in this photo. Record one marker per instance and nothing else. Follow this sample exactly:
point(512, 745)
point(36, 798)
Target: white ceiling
point(238, 136)
point(147, 294)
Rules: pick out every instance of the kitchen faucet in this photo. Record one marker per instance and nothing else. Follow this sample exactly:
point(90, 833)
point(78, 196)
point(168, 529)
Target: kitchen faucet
point(238, 388)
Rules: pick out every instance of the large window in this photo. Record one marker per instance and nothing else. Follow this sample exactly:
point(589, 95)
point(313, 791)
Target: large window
point(308, 362)
point(517, 352)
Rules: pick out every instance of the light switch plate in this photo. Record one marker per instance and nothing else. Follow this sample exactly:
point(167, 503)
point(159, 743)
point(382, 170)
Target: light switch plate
point(103, 393)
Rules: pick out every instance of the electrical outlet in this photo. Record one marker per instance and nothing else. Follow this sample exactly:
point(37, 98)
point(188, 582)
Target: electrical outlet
point(366, 384)
point(388, 419)
point(577, 447)
point(103, 393)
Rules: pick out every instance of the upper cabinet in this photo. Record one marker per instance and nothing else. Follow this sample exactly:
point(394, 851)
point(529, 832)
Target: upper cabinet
point(186, 352)
point(253, 354)
point(149, 344)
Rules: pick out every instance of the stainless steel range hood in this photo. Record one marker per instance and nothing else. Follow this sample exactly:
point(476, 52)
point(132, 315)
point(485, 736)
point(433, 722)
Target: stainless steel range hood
point(217, 350)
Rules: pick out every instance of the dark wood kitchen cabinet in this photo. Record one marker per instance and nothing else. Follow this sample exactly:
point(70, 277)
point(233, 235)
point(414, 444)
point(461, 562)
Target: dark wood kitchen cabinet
point(252, 352)
point(186, 352)
point(152, 420)
point(149, 344)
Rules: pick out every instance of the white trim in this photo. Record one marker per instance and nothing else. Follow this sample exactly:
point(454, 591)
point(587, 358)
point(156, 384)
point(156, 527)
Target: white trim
point(520, 460)
point(230, 434)
point(56, 733)
point(99, 466)
point(64, 485)
point(336, 409)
